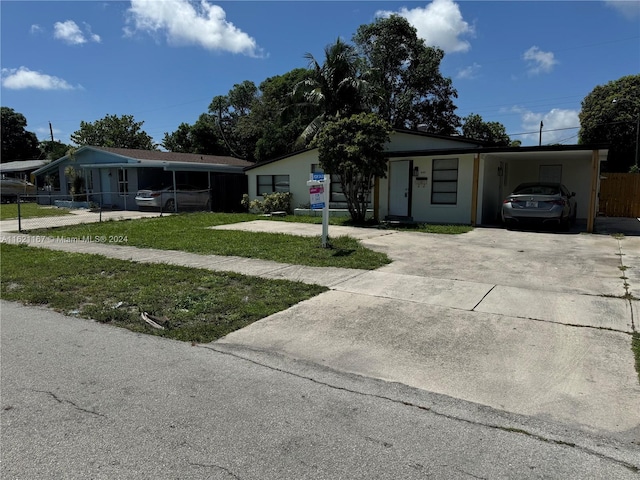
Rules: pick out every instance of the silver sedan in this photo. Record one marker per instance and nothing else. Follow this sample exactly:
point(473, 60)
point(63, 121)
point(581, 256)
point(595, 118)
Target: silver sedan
point(165, 198)
point(546, 203)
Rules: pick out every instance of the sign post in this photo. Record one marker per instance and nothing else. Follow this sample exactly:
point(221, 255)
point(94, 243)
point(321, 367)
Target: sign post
point(319, 185)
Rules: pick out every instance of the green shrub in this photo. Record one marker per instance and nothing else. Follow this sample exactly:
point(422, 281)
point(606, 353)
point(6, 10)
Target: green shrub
point(272, 202)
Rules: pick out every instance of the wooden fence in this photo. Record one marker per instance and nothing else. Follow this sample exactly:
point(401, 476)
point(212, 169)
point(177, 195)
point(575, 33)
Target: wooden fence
point(620, 195)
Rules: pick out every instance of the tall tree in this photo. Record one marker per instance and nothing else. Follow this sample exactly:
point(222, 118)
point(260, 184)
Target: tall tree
point(610, 114)
point(407, 88)
point(17, 142)
point(230, 112)
point(53, 150)
point(353, 148)
point(493, 133)
point(334, 89)
point(278, 125)
point(202, 137)
point(113, 131)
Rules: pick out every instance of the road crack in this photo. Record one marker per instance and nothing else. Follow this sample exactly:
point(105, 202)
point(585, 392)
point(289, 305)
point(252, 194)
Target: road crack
point(69, 402)
point(214, 465)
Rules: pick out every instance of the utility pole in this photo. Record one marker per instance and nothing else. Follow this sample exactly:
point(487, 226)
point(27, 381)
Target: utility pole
point(51, 131)
point(540, 139)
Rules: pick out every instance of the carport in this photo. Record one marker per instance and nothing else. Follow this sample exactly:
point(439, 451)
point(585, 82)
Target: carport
point(497, 171)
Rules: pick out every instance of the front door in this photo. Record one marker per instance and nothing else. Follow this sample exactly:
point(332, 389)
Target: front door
point(399, 182)
point(105, 186)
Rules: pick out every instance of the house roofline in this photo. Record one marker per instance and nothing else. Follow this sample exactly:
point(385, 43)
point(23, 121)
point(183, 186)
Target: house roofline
point(457, 138)
point(398, 130)
point(455, 151)
point(141, 162)
point(55, 163)
point(277, 159)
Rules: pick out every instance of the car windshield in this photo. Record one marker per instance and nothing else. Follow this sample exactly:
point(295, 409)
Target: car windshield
point(537, 190)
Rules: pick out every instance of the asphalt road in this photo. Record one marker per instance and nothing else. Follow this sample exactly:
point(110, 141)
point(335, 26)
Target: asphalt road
point(85, 400)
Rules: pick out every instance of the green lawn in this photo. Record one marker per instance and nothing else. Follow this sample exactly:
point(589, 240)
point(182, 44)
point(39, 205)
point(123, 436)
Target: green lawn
point(29, 210)
point(190, 233)
point(198, 305)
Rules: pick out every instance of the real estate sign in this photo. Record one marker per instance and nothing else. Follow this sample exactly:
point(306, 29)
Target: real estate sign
point(316, 194)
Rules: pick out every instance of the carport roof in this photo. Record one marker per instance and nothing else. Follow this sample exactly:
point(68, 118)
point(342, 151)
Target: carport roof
point(21, 165)
point(529, 152)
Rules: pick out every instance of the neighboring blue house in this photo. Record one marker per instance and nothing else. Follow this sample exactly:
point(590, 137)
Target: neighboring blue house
point(112, 176)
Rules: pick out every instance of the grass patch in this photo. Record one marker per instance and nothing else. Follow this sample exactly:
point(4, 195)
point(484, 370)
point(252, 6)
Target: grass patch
point(445, 229)
point(635, 347)
point(198, 305)
point(429, 228)
point(190, 232)
point(29, 210)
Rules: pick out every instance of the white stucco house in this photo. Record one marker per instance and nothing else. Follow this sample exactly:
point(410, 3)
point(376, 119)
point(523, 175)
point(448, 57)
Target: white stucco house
point(445, 179)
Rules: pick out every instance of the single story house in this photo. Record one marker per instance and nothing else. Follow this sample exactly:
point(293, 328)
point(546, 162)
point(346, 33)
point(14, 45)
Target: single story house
point(446, 179)
point(21, 169)
point(112, 176)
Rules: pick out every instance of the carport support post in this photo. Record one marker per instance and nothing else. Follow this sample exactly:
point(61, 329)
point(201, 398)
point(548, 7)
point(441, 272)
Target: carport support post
point(595, 172)
point(474, 191)
point(175, 194)
point(19, 213)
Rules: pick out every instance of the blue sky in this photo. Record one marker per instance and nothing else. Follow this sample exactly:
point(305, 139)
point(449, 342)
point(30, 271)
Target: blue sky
point(163, 61)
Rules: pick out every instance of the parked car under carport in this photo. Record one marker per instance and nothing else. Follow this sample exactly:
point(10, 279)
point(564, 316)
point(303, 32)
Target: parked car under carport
point(540, 203)
point(165, 198)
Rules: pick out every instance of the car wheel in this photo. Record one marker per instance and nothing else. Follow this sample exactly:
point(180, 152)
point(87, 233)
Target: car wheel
point(170, 206)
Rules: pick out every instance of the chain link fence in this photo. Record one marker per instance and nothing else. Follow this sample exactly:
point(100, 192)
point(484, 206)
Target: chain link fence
point(52, 209)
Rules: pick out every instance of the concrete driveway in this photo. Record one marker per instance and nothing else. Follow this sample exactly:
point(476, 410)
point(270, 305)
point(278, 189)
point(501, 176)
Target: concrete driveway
point(534, 323)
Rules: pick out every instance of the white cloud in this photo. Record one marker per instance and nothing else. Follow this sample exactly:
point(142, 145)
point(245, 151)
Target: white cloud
point(559, 125)
point(69, 32)
point(439, 24)
point(628, 8)
point(539, 61)
point(35, 28)
point(185, 23)
point(23, 78)
point(94, 37)
point(468, 73)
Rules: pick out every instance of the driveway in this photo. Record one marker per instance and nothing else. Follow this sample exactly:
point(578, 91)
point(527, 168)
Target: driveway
point(527, 322)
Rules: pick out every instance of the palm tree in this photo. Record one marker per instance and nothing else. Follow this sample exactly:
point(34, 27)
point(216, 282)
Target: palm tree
point(334, 89)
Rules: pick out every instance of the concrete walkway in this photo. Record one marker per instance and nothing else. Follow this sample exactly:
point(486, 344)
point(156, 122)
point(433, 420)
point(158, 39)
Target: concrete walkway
point(527, 322)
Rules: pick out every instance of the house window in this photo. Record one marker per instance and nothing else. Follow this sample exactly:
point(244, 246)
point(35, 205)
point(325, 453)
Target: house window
point(444, 181)
point(88, 181)
point(123, 181)
point(272, 183)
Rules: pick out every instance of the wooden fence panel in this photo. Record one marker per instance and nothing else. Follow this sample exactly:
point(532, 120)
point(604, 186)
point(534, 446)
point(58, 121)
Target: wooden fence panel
point(620, 195)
